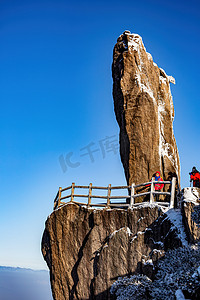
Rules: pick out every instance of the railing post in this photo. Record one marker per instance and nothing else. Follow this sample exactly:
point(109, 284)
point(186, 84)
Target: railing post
point(173, 187)
point(89, 194)
point(72, 192)
point(152, 190)
point(59, 196)
point(132, 194)
point(56, 201)
point(108, 196)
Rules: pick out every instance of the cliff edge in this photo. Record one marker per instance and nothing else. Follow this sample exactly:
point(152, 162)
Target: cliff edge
point(87, 249)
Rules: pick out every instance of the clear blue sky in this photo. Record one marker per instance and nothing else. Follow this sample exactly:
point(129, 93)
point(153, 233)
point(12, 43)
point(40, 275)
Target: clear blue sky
point(56, 98)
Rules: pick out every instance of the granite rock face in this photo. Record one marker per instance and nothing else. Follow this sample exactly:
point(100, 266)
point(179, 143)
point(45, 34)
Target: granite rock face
point(144, 111)
point(191, 213)
point(86, 250)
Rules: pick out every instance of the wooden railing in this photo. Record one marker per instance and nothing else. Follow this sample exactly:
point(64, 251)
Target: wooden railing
point(131, 196)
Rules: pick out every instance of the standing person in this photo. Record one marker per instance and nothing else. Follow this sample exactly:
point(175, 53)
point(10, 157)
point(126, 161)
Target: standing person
point(195, 177)
point(158, 186)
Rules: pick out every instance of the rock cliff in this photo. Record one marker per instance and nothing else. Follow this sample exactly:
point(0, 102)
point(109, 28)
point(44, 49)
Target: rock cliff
point(87, 249)
point(191, 213)
point(144, 111)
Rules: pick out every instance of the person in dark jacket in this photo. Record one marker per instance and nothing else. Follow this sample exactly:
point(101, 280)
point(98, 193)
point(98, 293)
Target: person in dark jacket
point(195, 177)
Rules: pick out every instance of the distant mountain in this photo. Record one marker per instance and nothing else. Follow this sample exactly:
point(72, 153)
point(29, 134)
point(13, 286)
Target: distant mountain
point(24, 284)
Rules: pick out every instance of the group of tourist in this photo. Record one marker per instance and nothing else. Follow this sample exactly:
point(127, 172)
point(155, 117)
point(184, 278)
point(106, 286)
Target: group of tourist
point(194, 177)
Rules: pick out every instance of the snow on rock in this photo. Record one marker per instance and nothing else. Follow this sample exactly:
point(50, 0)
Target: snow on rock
point(140, 233)
point(169, 78)
point(148, 205)
point(175, 271)
point(175, 217)
point(125, 229)
point(178, 271)
point(140, 219)
point(133, 287)
point(175, 274)
point(190, 194)
point(147, 262)
point(149, 56)
point(179, 295)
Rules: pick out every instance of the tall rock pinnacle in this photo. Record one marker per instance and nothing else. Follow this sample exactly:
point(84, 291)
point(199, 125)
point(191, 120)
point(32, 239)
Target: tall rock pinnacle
point(144, 111)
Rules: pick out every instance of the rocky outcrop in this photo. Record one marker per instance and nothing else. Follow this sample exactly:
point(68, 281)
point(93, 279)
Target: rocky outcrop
point(144, 111)
point(86, 250)
point(191, 213)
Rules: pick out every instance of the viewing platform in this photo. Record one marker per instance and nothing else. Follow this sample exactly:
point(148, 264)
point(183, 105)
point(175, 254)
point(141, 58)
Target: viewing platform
point(110, 201)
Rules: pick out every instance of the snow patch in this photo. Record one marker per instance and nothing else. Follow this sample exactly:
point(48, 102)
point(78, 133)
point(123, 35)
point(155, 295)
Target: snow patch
point(148, 204)
point(126, 229)
point(190, 194)
point(171, 79)
point(157, 251)
point(166, 149)
point(149, 56)
point(147, 262)
point(175, 216)
point(140, 233)
point(140, 219)
point(179, 295)
point(159, 244)
point(145, 88)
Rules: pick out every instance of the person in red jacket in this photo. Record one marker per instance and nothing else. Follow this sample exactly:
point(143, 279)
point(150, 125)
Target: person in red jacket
point(195, 177)
point(158, 186)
